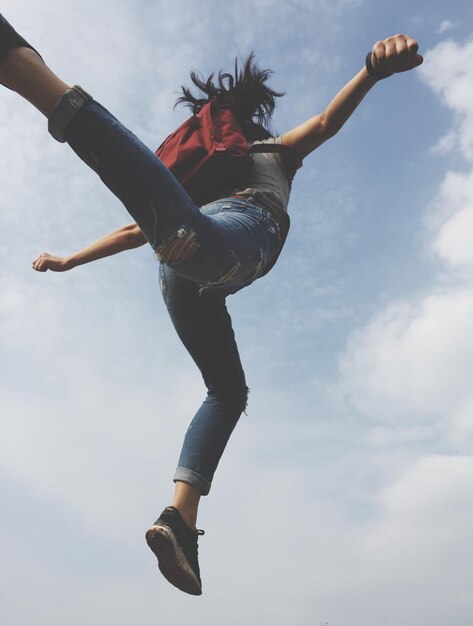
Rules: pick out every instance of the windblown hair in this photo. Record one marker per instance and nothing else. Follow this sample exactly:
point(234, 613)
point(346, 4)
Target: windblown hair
point(246, 92)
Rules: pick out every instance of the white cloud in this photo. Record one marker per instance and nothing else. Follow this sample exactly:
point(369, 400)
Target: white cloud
point(423, 532)
point(446, 25)
point(452, 220)
point(404, 435)
point(454, 240)
point(416, 546)
point(461, 427)
point(432, 496)
point(413, 360)
point(445, 144)
point(448, 70)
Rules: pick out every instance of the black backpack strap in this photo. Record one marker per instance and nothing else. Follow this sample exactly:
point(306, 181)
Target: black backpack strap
point(286, 151)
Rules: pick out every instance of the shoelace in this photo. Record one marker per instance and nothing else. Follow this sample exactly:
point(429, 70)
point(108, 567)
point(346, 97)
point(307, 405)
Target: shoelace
point(197, 534)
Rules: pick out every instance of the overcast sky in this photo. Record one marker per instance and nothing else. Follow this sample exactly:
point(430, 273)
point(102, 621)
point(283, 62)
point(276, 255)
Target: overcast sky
point(346, 494)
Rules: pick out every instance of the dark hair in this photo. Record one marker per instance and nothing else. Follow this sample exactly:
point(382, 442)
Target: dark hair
point(251, 100)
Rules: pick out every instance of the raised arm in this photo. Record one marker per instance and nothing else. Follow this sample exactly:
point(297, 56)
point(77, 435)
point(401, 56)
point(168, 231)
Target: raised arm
point(392, 55)
point(124, 238)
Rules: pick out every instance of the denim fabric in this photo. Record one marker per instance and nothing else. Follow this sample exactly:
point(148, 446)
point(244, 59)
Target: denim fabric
point(205, 254)
point(205, 328)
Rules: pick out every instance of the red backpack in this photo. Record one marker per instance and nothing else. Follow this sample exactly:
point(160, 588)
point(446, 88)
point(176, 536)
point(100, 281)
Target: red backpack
point(208, 153)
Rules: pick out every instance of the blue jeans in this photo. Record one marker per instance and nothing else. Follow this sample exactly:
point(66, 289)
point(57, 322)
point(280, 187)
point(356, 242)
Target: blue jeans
point(206, 254)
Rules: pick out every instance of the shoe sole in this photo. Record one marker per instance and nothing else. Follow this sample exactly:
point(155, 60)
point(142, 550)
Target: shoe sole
point(172, 561)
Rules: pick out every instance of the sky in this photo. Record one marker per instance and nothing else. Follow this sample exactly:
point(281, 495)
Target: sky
point(345, 495)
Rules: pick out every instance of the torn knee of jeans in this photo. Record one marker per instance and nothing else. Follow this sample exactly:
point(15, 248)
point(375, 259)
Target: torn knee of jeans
point(180, 246)
point(241, 399)
point(245, 401)
point(234, 398)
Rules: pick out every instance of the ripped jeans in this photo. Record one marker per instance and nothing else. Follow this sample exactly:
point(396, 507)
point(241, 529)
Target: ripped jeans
point(205, 254)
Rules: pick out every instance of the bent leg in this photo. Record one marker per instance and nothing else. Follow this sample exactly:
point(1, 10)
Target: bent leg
point(204, 326)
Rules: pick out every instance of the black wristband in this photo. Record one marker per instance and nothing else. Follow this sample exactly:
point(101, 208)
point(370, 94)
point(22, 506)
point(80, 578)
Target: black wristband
point(370, 68)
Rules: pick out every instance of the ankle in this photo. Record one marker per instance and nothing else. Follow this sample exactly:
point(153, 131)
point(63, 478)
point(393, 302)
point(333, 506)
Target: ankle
point(186, 500)
point(189, 516)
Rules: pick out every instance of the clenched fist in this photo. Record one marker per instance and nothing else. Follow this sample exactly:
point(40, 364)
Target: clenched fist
point(45, 262)
point(395, 54)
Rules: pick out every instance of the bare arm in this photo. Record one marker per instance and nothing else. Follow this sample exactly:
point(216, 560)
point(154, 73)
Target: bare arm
point(124, 238)
point(394, 54)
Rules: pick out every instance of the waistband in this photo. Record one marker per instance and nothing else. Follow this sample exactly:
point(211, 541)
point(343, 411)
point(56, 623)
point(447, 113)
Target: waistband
point(251, 199)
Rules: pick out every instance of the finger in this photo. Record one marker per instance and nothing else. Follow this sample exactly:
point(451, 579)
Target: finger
point(402, 51)
point(418, 60)
point(390, 53)
point(378, 56)
point(412, 46)
point(43, 262)
point(413, 63)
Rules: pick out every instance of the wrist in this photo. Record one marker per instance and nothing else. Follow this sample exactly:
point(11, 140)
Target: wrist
point(367, 77)
point(70, 262)
point(372, 72)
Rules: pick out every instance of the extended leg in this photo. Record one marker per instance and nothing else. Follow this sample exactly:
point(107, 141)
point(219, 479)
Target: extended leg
point(204, 326)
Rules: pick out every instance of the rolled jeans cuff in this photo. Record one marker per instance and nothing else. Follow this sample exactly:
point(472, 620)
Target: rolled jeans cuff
point(68, 106)
point(192, 478)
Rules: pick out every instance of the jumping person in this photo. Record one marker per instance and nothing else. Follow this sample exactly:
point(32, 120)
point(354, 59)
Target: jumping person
point(206, 253)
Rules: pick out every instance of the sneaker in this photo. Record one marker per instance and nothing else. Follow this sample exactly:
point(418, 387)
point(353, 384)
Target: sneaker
point(175, 546)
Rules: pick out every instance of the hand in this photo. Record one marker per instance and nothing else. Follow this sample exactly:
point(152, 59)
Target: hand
point(395, 54)
point(46, 262)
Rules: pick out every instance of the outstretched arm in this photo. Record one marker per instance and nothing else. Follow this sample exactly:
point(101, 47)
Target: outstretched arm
point(124, 238)
point(392, 55)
